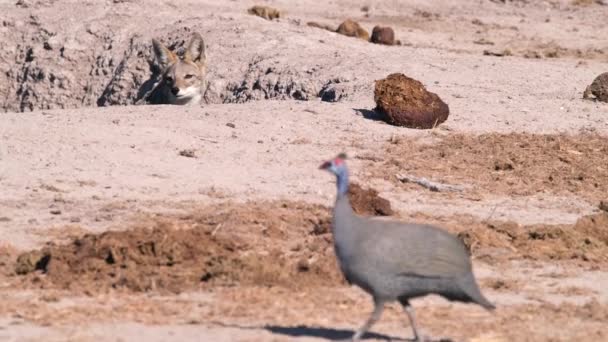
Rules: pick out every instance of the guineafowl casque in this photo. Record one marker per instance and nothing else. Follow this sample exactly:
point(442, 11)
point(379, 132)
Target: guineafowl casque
point(398, 261)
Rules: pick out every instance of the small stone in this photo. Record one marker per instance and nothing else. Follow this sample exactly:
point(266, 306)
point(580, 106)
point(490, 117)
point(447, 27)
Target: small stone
point(604, 205)
point(231, 125)
point(55, 212)
point(188, 153)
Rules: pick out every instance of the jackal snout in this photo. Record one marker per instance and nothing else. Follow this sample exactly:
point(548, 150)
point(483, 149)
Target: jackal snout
point(182, 78)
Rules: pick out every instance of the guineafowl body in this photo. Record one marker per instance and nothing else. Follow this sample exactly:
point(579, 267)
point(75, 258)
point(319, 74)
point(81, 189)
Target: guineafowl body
point(398, 261)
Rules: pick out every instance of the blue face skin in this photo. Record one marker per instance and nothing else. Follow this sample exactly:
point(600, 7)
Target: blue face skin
point(338, 168)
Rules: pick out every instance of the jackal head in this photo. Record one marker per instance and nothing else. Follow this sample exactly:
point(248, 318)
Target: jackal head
point(182, 78)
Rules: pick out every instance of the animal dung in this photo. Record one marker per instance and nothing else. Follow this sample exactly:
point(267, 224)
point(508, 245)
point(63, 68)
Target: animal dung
point(265, 12)
point(352, 28)
point(598, 89)
point(403, 101)
point(383, 35)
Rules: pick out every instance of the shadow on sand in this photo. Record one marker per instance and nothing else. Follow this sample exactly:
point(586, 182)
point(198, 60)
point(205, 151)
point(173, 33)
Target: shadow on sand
point(369, 114)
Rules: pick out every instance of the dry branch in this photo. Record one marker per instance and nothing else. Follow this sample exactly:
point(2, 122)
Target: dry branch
point(433, 186)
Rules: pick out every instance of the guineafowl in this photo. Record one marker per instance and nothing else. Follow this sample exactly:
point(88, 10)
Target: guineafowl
point(398, 261)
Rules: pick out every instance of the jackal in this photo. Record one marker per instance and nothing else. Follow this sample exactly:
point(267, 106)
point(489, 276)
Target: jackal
point(182, 77)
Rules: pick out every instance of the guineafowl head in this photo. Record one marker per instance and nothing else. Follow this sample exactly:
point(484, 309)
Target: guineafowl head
point(337, 166)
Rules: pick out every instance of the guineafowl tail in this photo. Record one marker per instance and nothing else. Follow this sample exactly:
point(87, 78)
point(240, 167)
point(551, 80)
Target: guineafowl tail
point(481, 300)
point(469, 285)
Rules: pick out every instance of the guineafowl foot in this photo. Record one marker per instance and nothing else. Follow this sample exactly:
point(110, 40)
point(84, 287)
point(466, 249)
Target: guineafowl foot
point(375, 316)
point(411, 314)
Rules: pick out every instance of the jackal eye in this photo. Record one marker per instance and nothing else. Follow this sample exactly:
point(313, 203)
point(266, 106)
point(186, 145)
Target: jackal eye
point(169, 80)
point(189, 76)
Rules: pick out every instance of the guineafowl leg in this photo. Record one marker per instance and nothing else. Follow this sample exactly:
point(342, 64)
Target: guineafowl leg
point(375, 316)
point(409, 310)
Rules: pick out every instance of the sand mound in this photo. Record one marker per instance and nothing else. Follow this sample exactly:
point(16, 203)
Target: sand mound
point(512, 164)
point(587, 240)
point(272, 244)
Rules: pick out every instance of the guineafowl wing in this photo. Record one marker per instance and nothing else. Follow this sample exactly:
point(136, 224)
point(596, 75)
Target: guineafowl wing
point(415, 250)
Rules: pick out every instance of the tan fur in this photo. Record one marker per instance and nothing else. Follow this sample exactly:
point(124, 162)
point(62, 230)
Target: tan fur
point(265, 12)
point(182, 78)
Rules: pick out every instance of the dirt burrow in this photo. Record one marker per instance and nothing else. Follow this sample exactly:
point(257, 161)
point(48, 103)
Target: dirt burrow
point(512, 164)
point(100, 65)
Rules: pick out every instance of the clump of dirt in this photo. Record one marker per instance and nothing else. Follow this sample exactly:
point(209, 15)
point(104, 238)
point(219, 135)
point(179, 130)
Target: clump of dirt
point(269, 244)
point(352, 28)
point(265, 12)
point(367, 201)
point(515, 164)
point(404, 101)
point(598, 89)
point(384, 35)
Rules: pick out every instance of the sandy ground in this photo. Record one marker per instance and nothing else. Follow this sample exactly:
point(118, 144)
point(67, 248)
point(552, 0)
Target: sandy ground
point(68, 167)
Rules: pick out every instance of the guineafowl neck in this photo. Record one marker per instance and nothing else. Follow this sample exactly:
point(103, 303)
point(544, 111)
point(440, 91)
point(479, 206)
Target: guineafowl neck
point(342, 183)
point(344, 227)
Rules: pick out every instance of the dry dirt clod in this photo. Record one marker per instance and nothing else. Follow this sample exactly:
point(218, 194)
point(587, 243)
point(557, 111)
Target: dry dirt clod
point(265, 12)
point(352, 28)
point(31, 261)
point(498, 53)
point(405, 102)
point(598, 89)
point(367, 201)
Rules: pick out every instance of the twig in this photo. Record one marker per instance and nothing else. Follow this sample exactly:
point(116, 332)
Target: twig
point(487, 219)
point(425, 183)
point(219, 225)
point(209, 140)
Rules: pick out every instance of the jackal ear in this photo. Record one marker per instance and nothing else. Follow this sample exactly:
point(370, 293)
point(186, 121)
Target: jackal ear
point(196, 50)
point(164, 56)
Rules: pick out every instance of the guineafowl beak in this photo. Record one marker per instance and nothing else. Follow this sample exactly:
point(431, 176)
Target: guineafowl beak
point(325, 165)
